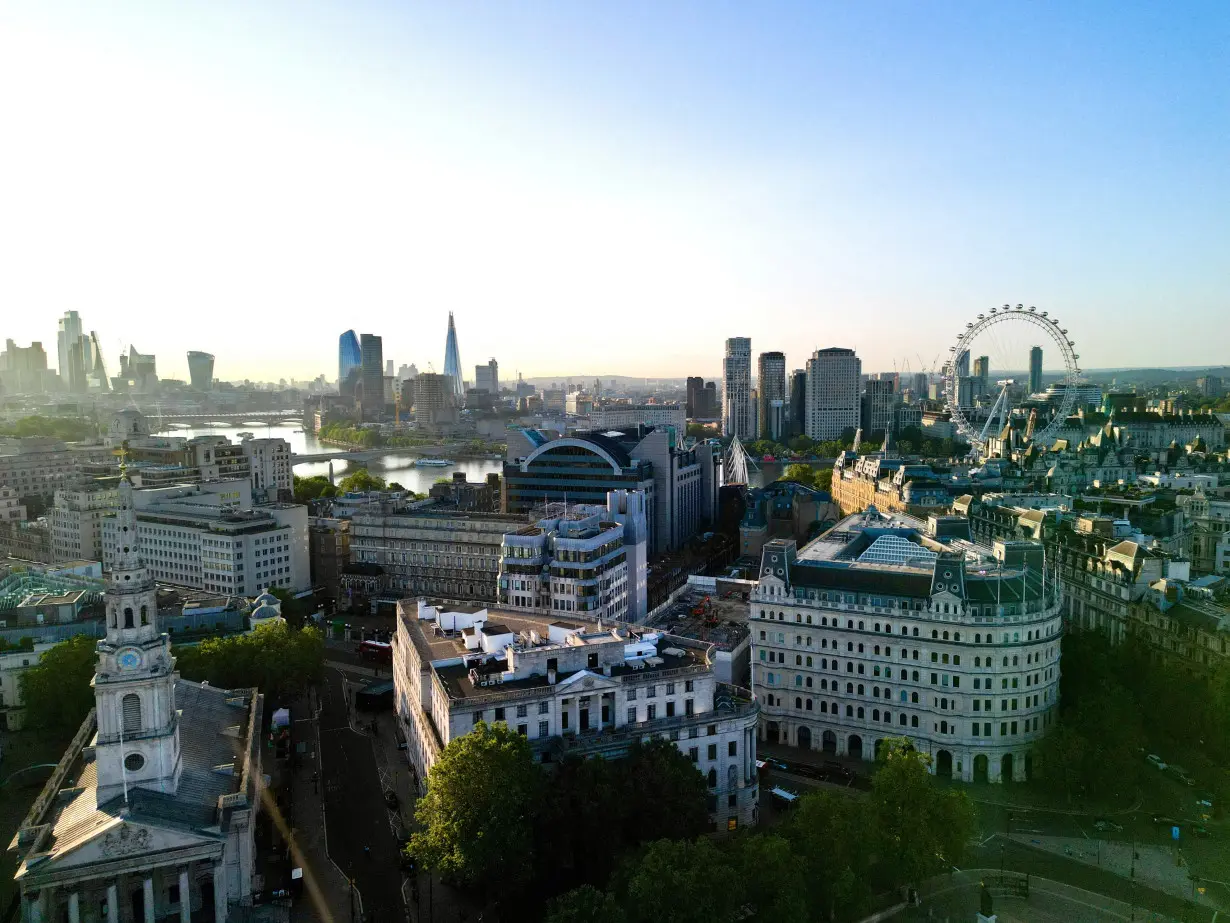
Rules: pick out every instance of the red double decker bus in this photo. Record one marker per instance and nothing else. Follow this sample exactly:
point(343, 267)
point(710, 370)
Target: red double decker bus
point(376, 651)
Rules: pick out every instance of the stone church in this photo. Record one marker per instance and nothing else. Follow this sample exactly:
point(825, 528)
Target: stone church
point(150, 813)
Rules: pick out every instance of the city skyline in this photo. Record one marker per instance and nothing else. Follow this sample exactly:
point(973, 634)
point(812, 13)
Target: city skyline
point(682, 191)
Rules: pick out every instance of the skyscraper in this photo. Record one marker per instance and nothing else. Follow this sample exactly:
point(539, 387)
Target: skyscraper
point(349, 361)
point(963, 364)
point(797, 415)
point(1035, 370)
point(452, 360)
point(982, 369)
point(771, 391)
point(487, 377)
point(74, 352)
point(833, 377)
point(201, 370)
point(879, 401)
point(371, 376)
point(695, 394)
point(737, 389)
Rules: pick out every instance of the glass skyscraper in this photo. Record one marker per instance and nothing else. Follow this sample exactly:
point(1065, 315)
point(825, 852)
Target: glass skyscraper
point(452, 361)
point(349, 361)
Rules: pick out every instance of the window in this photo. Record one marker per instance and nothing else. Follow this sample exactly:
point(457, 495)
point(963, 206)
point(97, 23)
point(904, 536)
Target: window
point(688, 706)
point(711, 752)
point(687, 686)
point(522, 711)
point(478, 716)
point(499, 714)
point(694, 754)
point(651, 712)
point(544, 708)
point(544, 728)
point(631, 715)
point(523, 730)
point(131, 706)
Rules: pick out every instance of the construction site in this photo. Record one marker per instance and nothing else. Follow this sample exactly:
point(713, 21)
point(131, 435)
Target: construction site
point(713, 611)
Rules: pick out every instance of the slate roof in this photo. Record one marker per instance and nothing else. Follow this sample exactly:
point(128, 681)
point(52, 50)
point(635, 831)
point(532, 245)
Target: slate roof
point(206, 715)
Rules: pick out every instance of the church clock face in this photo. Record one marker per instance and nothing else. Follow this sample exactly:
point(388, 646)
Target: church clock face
point(130, 660)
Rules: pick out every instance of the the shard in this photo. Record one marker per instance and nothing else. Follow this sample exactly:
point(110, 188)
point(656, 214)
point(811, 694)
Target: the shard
point(452, 361)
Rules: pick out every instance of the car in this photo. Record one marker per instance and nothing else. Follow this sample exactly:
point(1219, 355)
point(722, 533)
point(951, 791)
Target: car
point(1156, 761)
point(1106, 826)
point(1161, 820)
point(1202, 832)
point(1204, 803)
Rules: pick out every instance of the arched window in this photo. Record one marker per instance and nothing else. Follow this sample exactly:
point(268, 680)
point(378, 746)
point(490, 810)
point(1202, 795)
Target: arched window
point(798, 660)
point(145, 615)
point(875, 715)
point(809, 661)
point(903, 720)
point(945, 636)
point(131, 708)
point(860, 689)
point(913, 721)
point(903, 695)
point(849, 711)
point(977, 639)
point(877, 626)
point(824, 707)
point(809, 704)
point(798, 703)
point(914, 697)
point(860, 626)
point(824, 684)
point(860, 712)
point(849, 688)
point(850, 647)
point(128, 618)
point(915, 632)
point(977, 661)
point(712, 778)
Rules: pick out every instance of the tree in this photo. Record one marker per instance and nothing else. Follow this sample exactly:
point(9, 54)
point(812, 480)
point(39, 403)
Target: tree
point(823, 479)
point(582, 822)
point(681, 881)
point(360, 481)
point(474, 819)
point(668, 790)
point(294, 610)
point(921, 828)
point(801, 445)
point(312, 488)
point(774, 876)
point(800, 474)
point(56, 690)
point(834, 839)
point(1059, 760)
point(701, 431)
point(585, 904)
point(279, 660)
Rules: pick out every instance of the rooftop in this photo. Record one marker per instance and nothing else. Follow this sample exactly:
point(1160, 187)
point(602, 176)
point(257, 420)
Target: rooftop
point(711, 617)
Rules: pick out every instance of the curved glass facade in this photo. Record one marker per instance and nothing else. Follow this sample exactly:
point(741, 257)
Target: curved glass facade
point(349, 360)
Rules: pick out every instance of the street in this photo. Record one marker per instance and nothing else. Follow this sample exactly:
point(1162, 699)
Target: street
point(360, 839)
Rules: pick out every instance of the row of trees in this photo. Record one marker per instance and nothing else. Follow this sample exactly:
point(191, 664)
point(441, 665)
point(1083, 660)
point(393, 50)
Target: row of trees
point(277, 658)
point(620, 841)
point(824, 862)
point(1116, 700)
point(70, 429)
point(360, 480)
point(815, 478)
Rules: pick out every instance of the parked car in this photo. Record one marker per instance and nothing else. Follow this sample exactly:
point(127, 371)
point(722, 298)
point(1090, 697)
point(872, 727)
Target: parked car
point(1106, 826)
point(1161, 820)
point(1202, 832)
point(1204, 803)
point(1156, 761)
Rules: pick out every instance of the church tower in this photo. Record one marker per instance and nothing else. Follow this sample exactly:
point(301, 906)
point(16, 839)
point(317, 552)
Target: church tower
point(134, 680)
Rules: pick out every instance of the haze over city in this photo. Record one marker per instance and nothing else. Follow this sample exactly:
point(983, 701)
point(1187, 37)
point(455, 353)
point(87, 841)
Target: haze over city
point(250, 180)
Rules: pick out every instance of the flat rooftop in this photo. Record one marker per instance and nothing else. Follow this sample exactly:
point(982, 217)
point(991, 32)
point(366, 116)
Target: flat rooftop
point(715, 618)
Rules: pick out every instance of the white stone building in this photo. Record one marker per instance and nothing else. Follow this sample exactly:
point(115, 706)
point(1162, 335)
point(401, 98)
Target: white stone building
point(76, 521)
point(571, 564)
point(150, 813)
point(618, 416)
point(573, 690)
point(13, 663)
point(856, 640)
point(210, 537)
point(832, 401)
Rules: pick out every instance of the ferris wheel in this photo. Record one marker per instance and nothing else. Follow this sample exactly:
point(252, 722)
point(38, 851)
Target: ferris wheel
point(1004, 340)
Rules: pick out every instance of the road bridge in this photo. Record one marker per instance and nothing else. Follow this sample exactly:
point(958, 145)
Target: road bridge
point(263, 417)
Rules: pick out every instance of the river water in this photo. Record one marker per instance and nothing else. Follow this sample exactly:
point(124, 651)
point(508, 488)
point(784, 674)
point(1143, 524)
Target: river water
point(397, 468)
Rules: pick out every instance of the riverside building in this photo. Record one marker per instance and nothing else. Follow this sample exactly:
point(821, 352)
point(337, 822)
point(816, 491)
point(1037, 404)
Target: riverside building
point(888, 626)
point(572, 690)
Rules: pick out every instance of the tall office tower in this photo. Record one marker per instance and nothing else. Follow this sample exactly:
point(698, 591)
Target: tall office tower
point(388, 368)
point(879, 402)
point(919, 387)
point(832, 393)
point(797, 414)
point(982, 369)
point(487, 377)
point(201, 370)
point(963, 365)
point(98, 374)
point(71, 367)
point(737, 389)
point(711, 401)
point(695, 394)
point(371, 376)
point(1035, 370)
point(349, 363)
point(452, 360)
point(770, 391)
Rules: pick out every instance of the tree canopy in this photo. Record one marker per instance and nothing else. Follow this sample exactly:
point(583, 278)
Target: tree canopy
point(281, 661)
point(473, 819)
point(70, 429)
point(56, 690)
point(815, 478)
point(313, 488)
point(360, 481)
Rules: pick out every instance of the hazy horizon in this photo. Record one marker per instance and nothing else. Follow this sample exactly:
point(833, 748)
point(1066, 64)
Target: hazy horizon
point(632, 183)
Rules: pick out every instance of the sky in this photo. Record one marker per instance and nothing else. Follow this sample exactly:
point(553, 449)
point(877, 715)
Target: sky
point(613, 188)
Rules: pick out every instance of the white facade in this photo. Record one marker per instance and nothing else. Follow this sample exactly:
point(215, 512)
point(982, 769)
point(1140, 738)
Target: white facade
point(618, 416)
point(737, 411)
point(572, 564)
point(572, 692)
point(76, 522)
point(207, 537)
point(270, 468)
point(487, 377)
point(832, 404)
point(846, 655)
point(11, 507)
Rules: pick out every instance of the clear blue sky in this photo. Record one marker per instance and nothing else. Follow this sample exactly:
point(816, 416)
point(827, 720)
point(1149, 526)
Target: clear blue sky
point(614, 188)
